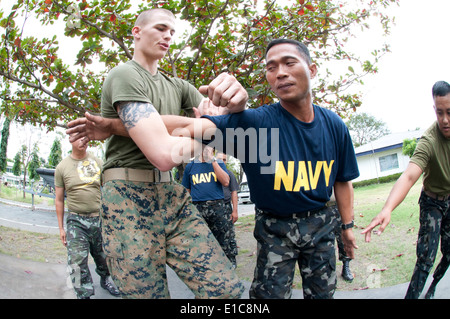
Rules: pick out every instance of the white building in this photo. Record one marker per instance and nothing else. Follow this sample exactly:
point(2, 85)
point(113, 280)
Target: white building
point(384, 156)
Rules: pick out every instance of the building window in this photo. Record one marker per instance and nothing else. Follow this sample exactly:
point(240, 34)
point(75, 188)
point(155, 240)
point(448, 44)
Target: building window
point(388, 162)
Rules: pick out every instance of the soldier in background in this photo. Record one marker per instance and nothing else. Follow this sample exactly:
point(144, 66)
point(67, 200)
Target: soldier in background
point(79, 176)
point(205, 179)
point(431, 158)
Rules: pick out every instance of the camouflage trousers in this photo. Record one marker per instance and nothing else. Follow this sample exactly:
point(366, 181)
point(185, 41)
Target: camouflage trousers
point(84, 237)
point(148, 225)
point(217, 215)
point(434, 224)
point(283, 242)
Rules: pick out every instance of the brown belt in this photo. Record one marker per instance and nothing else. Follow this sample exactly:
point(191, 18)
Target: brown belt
point(137, 175)
point(436, 196)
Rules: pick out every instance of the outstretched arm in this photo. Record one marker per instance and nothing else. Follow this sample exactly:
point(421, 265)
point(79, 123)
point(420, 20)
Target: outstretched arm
point(396, 196)
point(224, 91)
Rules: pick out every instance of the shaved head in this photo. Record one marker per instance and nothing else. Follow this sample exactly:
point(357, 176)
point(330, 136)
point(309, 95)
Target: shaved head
point(147, 15)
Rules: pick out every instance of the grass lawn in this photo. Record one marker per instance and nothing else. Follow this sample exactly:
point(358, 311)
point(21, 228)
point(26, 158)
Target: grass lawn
point(16, 194)
point(389, 258)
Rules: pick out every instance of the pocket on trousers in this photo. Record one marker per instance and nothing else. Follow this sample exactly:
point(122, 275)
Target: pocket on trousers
point(113, 249)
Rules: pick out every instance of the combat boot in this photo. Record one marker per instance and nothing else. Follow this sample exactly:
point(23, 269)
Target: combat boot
point(346, 273)
point(109, 286)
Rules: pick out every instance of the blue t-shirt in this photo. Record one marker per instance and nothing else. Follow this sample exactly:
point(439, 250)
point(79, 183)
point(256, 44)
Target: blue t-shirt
point(291, 166)
point(200, 178)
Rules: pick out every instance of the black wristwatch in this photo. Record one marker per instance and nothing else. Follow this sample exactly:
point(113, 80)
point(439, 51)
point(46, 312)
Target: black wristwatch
point(347, 226)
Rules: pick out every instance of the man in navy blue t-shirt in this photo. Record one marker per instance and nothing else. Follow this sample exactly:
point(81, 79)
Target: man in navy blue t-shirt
point(205, 178)
point(294, 153)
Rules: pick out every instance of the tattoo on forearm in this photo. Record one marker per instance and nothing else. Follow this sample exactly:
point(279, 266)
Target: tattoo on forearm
point(132, 112)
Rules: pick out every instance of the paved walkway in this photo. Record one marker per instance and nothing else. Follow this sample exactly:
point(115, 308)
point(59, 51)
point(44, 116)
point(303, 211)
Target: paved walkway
point(25, 279)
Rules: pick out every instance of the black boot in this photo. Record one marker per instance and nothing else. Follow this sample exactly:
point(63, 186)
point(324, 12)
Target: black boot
point(108, 285)
point(346, 273)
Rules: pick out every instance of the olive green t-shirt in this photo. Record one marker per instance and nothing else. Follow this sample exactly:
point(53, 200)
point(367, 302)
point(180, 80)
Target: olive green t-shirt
point(131, 82)
point(432, 155)
point(81, 182)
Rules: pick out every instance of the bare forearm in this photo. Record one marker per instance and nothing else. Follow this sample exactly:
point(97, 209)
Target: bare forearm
point(234, 203)
point(344, 199)
point(402, 187)
point(187, 126)
point(116, 127)
point(59, 206)
point(174, 122)
point(60, 214)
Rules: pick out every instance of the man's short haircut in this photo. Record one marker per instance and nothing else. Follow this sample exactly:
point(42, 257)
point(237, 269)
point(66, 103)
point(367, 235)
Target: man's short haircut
point(441, 88)
point(145, 16)
point(300, 47)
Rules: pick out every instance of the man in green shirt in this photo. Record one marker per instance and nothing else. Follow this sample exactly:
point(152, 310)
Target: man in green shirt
point(431, 158)
point(148, 220)
point(78, 175)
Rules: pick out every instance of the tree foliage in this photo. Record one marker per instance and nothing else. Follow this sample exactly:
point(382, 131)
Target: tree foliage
point(42, 87)
point(409, 146)
point(17, 165)
point(34, 164)
point(55, 155)
point(4, 145)
point(365, 128)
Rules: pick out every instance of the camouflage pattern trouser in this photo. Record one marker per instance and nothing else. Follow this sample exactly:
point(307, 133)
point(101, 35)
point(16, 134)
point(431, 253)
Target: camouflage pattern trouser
point(148, 225)
point(84, 237)
point(218, 218)
point(434, 223)
point(282, 242)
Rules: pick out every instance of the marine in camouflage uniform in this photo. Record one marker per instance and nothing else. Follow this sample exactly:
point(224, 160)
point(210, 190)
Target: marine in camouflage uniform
point(147, 221)
point(430, 159)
